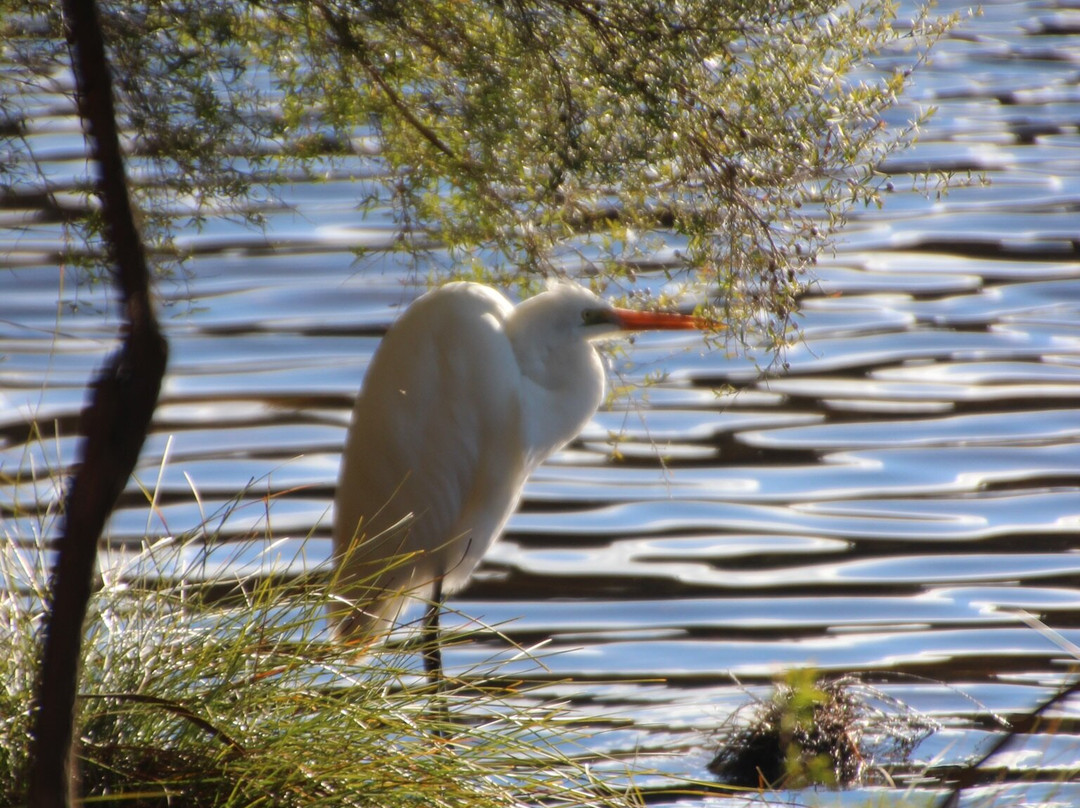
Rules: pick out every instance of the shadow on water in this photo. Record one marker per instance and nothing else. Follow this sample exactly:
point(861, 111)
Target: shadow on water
point(892, 506)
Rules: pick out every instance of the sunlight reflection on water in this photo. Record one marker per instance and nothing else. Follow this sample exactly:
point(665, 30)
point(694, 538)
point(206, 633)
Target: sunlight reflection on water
point(917, 467)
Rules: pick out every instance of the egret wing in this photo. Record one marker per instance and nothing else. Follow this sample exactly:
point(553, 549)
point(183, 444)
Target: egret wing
point(434, 463)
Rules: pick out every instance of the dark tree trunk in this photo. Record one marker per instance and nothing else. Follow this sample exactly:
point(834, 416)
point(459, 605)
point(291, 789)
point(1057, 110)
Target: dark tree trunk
point(115, 422)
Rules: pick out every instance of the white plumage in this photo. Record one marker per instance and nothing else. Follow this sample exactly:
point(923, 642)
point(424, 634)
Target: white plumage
point(465, 396)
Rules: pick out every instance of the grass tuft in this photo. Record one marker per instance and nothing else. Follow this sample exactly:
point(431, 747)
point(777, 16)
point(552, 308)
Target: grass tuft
point(198, 693)
point(835, 731)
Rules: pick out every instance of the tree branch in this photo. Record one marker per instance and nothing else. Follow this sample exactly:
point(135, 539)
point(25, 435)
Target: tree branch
point(115, 422)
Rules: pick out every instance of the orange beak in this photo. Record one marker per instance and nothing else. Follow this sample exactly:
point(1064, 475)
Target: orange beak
point(630, 320)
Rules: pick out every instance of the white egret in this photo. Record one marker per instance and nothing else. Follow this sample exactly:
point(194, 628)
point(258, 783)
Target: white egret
point(464, 397)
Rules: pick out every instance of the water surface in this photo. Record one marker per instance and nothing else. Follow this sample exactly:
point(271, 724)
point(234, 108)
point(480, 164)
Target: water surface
point(903, 503)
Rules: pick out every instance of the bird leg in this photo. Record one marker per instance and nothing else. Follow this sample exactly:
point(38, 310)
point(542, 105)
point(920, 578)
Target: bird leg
point(432, 648)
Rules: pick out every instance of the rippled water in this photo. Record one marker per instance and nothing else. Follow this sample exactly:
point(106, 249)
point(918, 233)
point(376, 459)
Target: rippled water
point(893, 505)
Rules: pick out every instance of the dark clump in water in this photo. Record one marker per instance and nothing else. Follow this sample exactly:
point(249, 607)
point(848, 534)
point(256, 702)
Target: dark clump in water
point(834, 732)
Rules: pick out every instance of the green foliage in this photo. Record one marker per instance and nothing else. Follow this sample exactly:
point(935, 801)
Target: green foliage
point(737, 133)
point(817, 731)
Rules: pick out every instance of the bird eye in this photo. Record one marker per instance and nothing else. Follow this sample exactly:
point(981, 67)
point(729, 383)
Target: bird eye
point(594, 317)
